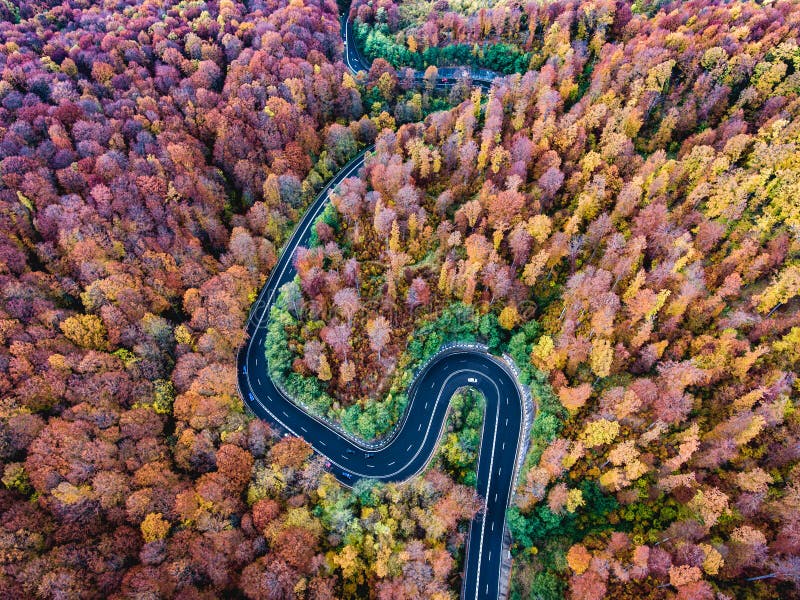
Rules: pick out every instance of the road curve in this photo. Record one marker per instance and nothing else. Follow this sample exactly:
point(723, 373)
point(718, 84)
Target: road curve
point(414, 441)
point(447, 76)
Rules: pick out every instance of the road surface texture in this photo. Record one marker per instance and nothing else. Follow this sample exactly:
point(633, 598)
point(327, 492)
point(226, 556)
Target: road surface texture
point(413, 443)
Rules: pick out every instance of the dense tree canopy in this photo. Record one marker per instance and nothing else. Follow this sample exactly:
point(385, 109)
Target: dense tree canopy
point(620, 216)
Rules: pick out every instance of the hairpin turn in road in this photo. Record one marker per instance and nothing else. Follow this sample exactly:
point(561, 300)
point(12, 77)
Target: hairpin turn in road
point(413, 443)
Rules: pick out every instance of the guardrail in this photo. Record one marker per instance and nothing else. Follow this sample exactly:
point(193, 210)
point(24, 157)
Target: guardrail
point(528, 412)
point(444, 350)
point(482, 74)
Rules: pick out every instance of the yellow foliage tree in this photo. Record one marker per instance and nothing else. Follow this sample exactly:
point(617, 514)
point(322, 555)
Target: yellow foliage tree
point(324, 371)
point(509, 317)
point(86, 331)
point(601, 357)
point(348, 82)
point(785, 287)
point(534, 267)
point(58, 362)
point(658, 77)
point(271, 190)
point(154, 527)
point(381, 565)
point(742, 365)
point(394, 237)
point(183, 335)
point(789, 345)
point(753, 428)
point(66, 493)
point(347, 372)
point(347, 560)
point(539, 227)
point(542, 353)
point(575, 500)
point(386, 86)
point(499, 156)
point(634, 286)
point(713, 560)
point(497, 239)
point(660, 300)
point(598, 433)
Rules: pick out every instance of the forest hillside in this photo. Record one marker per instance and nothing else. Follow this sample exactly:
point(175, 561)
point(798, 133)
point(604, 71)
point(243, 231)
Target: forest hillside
point(619, 214)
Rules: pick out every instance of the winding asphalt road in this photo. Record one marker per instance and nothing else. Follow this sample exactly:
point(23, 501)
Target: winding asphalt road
point(417, 436)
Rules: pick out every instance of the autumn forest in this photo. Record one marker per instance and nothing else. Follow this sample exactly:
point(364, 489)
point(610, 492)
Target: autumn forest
point(619, 215)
